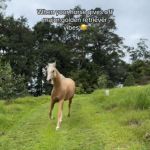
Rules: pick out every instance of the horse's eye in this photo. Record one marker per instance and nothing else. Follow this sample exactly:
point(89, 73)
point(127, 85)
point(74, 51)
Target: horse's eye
point(53, 71)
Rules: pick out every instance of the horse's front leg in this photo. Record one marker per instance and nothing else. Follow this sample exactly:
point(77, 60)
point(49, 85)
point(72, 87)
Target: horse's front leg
point(51, 108)
point(59, 119)
point(69, 107)
point(61, 116)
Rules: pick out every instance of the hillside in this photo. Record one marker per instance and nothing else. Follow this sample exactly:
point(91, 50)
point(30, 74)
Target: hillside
point(97, 122)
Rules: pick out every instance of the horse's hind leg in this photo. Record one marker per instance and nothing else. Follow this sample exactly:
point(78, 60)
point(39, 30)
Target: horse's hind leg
point(51, 108)
point(69, 107)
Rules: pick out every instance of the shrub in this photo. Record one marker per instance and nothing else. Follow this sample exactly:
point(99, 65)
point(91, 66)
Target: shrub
point(80, 89)
point(129, 81)
point(11, 85)
point(102, 81)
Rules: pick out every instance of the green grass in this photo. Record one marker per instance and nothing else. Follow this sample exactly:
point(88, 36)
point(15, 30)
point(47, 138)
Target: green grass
point(120, 121)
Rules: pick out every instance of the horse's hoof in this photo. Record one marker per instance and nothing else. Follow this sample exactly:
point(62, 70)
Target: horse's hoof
point(51, 117)
point(57, 128)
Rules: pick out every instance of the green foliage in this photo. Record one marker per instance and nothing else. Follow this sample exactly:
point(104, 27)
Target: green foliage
point(84, 80)
point(6, 85)
point(102, 81)
point(71, 50)
point(141, 71)
point(80, 89)
point(141, 52)
point(17, 44)
point(129, 81)
point(10, 85)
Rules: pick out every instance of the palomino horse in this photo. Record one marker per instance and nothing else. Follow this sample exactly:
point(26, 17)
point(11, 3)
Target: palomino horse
point(63, 89)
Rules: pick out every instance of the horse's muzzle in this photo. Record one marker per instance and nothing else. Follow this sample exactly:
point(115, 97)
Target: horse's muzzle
point(50, 81)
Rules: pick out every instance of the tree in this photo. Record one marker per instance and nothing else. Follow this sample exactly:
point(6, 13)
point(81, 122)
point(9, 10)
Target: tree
point(83, 55)
point(141, 71)
point(141, 52)
point(140, 57)
point(16, 44)
point(99, 45)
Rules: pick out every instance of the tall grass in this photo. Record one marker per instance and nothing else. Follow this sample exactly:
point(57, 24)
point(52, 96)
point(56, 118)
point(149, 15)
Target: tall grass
point(137, 97)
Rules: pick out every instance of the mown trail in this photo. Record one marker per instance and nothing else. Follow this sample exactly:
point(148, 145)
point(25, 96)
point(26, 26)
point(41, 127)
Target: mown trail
point(96, 123)
point(35, 130)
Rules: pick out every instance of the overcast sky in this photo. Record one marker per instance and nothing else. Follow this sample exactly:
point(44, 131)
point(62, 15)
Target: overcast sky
point(132, 16)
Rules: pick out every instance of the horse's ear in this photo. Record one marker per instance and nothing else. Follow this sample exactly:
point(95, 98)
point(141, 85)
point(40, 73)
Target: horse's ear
point(54, 64)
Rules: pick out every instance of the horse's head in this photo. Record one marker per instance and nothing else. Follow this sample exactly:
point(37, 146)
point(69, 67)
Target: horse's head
point(51, 72)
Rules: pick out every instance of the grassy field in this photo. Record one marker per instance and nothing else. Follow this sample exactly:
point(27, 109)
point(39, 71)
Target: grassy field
point(120, 121)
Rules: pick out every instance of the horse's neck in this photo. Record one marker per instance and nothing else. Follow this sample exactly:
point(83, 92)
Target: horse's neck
point(57, 80)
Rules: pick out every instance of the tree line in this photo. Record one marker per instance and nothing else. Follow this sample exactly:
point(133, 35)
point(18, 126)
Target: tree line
point(93, 58)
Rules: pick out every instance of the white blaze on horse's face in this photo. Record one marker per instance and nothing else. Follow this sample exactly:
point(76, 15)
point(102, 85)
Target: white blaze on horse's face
point(51, 71)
